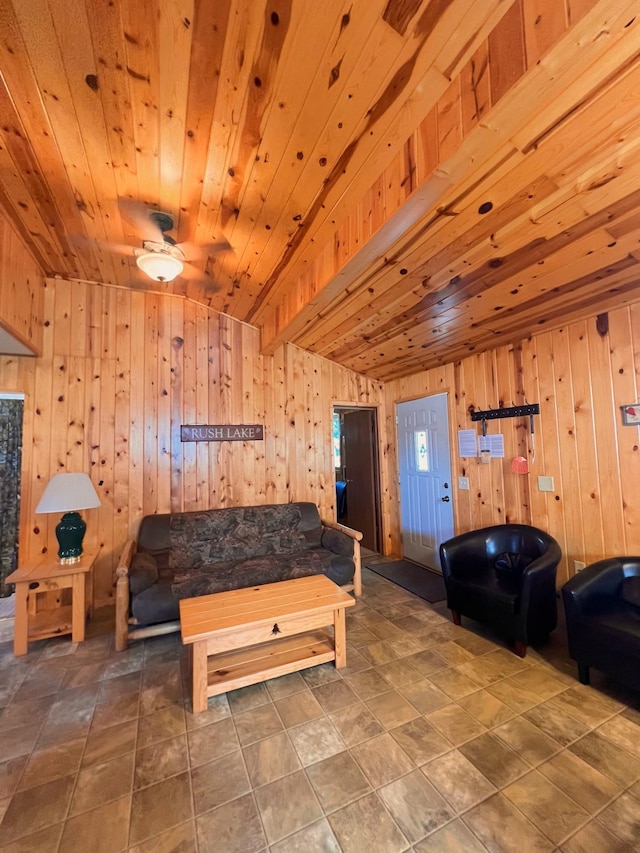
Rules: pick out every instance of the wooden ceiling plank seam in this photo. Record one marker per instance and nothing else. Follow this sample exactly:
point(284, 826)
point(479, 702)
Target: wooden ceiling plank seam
point(107, 36)
point(100, 219)
point(544, 25)
point(241, 44)
point(428, 319)
point(298, 69)
point(43, 48)
point(18, 76)
point(437, 308)
point(16, 199)
point(394, 126)
point(174, 51)
point(142, 62)
point(210, 28)
point(318, 135)
point(620, 286)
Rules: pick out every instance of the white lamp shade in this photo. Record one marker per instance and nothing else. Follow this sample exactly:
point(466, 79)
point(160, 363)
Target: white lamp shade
point(160, 266)
point(67, 493)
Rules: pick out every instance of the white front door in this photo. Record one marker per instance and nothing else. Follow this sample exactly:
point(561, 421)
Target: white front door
point(424, 466)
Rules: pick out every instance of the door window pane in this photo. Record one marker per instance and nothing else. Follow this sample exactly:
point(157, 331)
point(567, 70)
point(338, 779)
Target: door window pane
point(422, 454)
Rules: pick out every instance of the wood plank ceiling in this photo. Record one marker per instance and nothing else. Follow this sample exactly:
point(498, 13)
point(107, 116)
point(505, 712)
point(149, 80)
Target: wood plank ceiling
point(389, 183)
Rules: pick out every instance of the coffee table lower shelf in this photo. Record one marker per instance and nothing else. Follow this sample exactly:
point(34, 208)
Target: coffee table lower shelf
point(242, 667)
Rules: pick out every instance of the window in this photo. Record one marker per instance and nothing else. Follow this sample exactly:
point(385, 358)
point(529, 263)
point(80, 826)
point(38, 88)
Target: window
point(422, 454)
point(337, 459)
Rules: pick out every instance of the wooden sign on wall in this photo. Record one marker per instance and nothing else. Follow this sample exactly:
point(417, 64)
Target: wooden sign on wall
point(222, 432)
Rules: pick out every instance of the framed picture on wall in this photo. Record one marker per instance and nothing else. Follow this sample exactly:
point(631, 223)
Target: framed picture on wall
point(631, 414)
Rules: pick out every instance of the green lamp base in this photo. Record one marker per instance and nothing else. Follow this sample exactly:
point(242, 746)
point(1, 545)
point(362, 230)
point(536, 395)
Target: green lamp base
point(70, 532)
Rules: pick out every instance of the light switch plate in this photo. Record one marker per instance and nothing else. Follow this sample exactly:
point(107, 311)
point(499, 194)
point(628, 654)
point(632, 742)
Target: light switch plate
point(463, 484)
point(545, 484)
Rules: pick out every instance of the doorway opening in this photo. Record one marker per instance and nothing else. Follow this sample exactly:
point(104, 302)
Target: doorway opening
point(357, 472)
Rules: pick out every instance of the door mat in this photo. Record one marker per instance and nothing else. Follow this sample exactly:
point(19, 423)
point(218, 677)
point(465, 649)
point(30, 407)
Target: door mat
point(416, 579)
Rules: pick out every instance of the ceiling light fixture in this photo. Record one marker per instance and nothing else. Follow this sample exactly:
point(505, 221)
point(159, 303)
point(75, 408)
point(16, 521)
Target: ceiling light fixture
point(160, 266)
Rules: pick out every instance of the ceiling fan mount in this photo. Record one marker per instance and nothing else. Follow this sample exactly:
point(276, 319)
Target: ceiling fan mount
point(162, 260)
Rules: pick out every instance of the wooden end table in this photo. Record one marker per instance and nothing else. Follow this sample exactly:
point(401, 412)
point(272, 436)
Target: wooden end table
point(47, 575)
point(260, 632)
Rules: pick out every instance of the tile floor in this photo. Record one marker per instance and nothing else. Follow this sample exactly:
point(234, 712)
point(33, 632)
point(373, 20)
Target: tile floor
point(435, 739)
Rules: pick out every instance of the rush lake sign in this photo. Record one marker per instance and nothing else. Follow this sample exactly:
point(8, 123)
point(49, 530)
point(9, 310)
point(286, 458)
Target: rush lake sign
point(222, 432)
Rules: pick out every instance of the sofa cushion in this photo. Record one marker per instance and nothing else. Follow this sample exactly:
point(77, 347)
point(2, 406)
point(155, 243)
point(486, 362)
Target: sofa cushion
point(220, 577)
point(337, 542)
point(143, 572)
point(157, 603)
point(235, 533)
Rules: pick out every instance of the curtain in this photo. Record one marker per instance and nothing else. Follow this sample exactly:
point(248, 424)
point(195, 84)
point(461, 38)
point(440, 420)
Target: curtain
point(10, 461)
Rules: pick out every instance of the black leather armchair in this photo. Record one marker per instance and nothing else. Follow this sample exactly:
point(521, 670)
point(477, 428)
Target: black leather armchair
point(602, 606)
point(505, 576)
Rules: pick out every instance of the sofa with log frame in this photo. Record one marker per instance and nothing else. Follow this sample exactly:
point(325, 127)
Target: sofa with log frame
point(186, 554)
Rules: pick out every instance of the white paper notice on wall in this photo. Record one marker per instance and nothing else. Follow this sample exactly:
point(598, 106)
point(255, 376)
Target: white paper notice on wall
point(493, 443)
point(467, 442)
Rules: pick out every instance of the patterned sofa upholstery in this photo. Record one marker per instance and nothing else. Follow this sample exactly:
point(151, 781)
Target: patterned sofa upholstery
point(186, 554)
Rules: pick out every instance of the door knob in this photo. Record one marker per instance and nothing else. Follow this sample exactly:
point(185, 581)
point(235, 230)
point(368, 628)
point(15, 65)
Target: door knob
point(445, 499)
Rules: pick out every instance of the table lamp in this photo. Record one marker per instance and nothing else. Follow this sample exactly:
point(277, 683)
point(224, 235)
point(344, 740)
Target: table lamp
point(68, 493)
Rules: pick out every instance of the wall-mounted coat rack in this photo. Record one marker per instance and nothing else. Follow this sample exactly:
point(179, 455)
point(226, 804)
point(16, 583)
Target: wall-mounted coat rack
point(511, 412)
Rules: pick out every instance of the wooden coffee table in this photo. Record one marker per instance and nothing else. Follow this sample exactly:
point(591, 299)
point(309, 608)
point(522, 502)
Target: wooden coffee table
point(248, 635)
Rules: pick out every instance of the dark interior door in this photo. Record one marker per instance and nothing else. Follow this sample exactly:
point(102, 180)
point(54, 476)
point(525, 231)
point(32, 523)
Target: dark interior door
point(358, 430)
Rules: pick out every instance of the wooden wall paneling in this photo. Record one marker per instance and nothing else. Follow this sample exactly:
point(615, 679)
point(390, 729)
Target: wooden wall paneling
point(164, 403)
point(104, 471)
point(450, 120)
point(507, 60)
point(513, 485)
point(122, 429)
point(137, 400)
point(211, 456)
point(259, 393)
point(536, 501)
point(202, 467)
point(606, 422)
point(462, 499)
point(271, 429)
point(176, 397)
point(549, 433)
point(22, 290)
point(587, 388)
point(227, 362)
point(150, 391)
point(571, 495)
point(544, 24)
point(577, 9)
point(475, 90)
point(281, 371)
point(188, 449)
point(624, 341)
point(248, 411)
